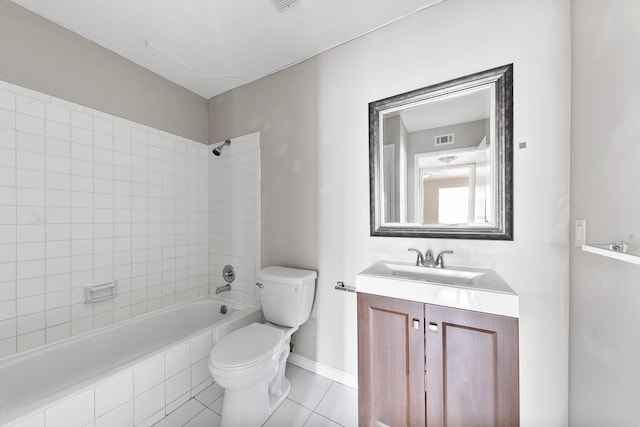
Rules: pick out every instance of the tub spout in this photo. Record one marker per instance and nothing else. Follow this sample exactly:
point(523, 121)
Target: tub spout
point(224, 288)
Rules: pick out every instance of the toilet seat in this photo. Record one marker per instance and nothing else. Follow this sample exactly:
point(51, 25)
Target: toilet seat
point(247, 347)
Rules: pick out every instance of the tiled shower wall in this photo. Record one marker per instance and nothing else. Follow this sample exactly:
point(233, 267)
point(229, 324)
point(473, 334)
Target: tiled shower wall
point(234, 209)
point(86, 197)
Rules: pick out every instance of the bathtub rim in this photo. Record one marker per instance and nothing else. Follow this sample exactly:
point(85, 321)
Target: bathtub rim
point(14, 416)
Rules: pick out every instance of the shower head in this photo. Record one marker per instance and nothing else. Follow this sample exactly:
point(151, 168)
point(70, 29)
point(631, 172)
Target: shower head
point(219, 148)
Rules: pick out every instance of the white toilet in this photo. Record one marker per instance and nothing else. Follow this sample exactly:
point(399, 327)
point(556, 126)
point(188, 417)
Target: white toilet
point(249, 363)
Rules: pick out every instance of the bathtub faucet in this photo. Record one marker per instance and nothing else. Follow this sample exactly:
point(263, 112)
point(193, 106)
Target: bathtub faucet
point(224, 288)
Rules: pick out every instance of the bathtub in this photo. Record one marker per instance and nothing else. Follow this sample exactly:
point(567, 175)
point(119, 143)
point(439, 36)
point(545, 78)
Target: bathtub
point(137, 370)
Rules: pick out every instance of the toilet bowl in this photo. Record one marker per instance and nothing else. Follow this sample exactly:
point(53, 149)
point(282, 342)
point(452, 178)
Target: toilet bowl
point(250, 362)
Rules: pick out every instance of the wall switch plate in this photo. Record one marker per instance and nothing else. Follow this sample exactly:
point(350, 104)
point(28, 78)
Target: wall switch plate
point(581, 232)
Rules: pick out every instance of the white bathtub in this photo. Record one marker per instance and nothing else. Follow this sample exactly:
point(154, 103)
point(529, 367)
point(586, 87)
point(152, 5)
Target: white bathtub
point(85, 378)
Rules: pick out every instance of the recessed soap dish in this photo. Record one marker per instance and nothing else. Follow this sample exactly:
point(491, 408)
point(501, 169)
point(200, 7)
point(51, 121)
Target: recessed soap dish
point(99, 292)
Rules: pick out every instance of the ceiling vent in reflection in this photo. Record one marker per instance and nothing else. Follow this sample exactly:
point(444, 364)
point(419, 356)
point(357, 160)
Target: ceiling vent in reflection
point(446, 139)
point(281, 5)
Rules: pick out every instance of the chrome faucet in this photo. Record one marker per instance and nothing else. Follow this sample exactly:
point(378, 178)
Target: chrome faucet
point(440, 259)
point(220, 289)
point(420, 259)
point(428, 261)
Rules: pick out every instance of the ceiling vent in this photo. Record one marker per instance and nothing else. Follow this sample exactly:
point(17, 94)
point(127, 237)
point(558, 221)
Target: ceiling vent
point(446, 139)
point(281, 5)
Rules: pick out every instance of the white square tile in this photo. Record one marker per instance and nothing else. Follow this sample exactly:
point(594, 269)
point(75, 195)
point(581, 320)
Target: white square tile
point(82, 167)
point(57, 130)
point(58, 164)
point(178, 385)
point(7, 119)
point(29, 124)
point(57, 299)
point(177, 359)
point(200, 372)
point(36, 420)
point(29, 269)
point(30, 142)
point(148, 375)
point(182, 415)
point(29, 160)
point(57, 198)
point(30, 178)
point(8, 157)
point(57, 113)
point(308, 388)
point(103, 126)
point(149, 403)
point(58, 248)
point(210, 394)
point(8, 271)
point(114, 392)
point(7, 100)
point(75, 411)
point(58, 147)
point(340, 404)
point(58, 232)
point(30, 305)
point(58, 181)
point(290, 414)
point(81, 120)
point(30, 251)
point(205, 418)
point(30, 340)
point(30, 197)
point(30, 287)
point(201, 347)
point(120, 416)
point(30, 106)
point(57, 333)
point(316, 420)
point(7, 328)
point(7, 310)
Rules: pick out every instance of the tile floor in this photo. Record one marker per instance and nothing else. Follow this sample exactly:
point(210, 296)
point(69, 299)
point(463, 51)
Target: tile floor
point(314, 401)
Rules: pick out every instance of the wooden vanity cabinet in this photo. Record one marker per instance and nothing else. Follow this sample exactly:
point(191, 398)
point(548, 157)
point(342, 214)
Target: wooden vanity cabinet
point(422, 364)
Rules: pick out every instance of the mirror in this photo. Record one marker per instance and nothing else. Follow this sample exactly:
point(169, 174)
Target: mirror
point(441, 159)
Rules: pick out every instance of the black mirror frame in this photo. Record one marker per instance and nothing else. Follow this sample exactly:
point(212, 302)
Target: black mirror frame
point(502, 77)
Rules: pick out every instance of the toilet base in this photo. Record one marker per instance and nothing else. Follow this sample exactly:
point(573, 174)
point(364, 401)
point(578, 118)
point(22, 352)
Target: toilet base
point(251, 407)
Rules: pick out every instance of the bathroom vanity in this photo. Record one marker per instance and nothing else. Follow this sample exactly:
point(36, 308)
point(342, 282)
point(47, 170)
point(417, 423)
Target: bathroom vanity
point(436, 347)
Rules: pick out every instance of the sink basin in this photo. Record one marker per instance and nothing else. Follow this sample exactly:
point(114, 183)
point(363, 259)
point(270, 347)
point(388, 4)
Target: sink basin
point(452, 276)
point(459, 287)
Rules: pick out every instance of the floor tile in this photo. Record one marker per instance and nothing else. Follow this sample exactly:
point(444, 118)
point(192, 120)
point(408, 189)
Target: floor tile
point(206, 418)
point(210, 394)
point(291, 370)
point(308, 388)
point(289, 414)
point(340, 404)
point(182, 415)
point(217, 405)
point(316, 420)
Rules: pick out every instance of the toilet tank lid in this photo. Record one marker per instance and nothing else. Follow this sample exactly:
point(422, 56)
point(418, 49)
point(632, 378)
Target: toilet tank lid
point(286, 275)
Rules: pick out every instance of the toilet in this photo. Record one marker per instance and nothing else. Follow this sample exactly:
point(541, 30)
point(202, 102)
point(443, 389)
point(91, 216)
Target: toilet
point(249, 363)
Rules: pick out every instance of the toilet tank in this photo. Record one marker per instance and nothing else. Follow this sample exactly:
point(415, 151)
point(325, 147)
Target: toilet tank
point(286, 294)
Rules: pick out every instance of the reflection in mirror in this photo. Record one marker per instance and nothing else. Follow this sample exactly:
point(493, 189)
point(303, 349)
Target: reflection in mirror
point(441, 160)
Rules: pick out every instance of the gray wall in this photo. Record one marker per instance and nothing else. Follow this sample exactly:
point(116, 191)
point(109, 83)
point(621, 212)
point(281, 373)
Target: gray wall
point(605, 172)
point(313, 120)
point(43, 56)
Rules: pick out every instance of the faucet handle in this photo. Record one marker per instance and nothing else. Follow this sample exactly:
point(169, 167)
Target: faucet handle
point(420, 259)
point(440, 259)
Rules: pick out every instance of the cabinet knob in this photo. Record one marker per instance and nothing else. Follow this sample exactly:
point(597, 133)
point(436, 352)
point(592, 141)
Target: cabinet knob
point(433, 327)
point(415, 323)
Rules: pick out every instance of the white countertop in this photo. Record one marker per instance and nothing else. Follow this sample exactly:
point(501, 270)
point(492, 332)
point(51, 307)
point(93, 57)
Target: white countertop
point(488, 293)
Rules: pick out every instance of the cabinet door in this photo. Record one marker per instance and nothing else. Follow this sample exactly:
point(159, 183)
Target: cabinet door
point(390, 362)
point(472, 368)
